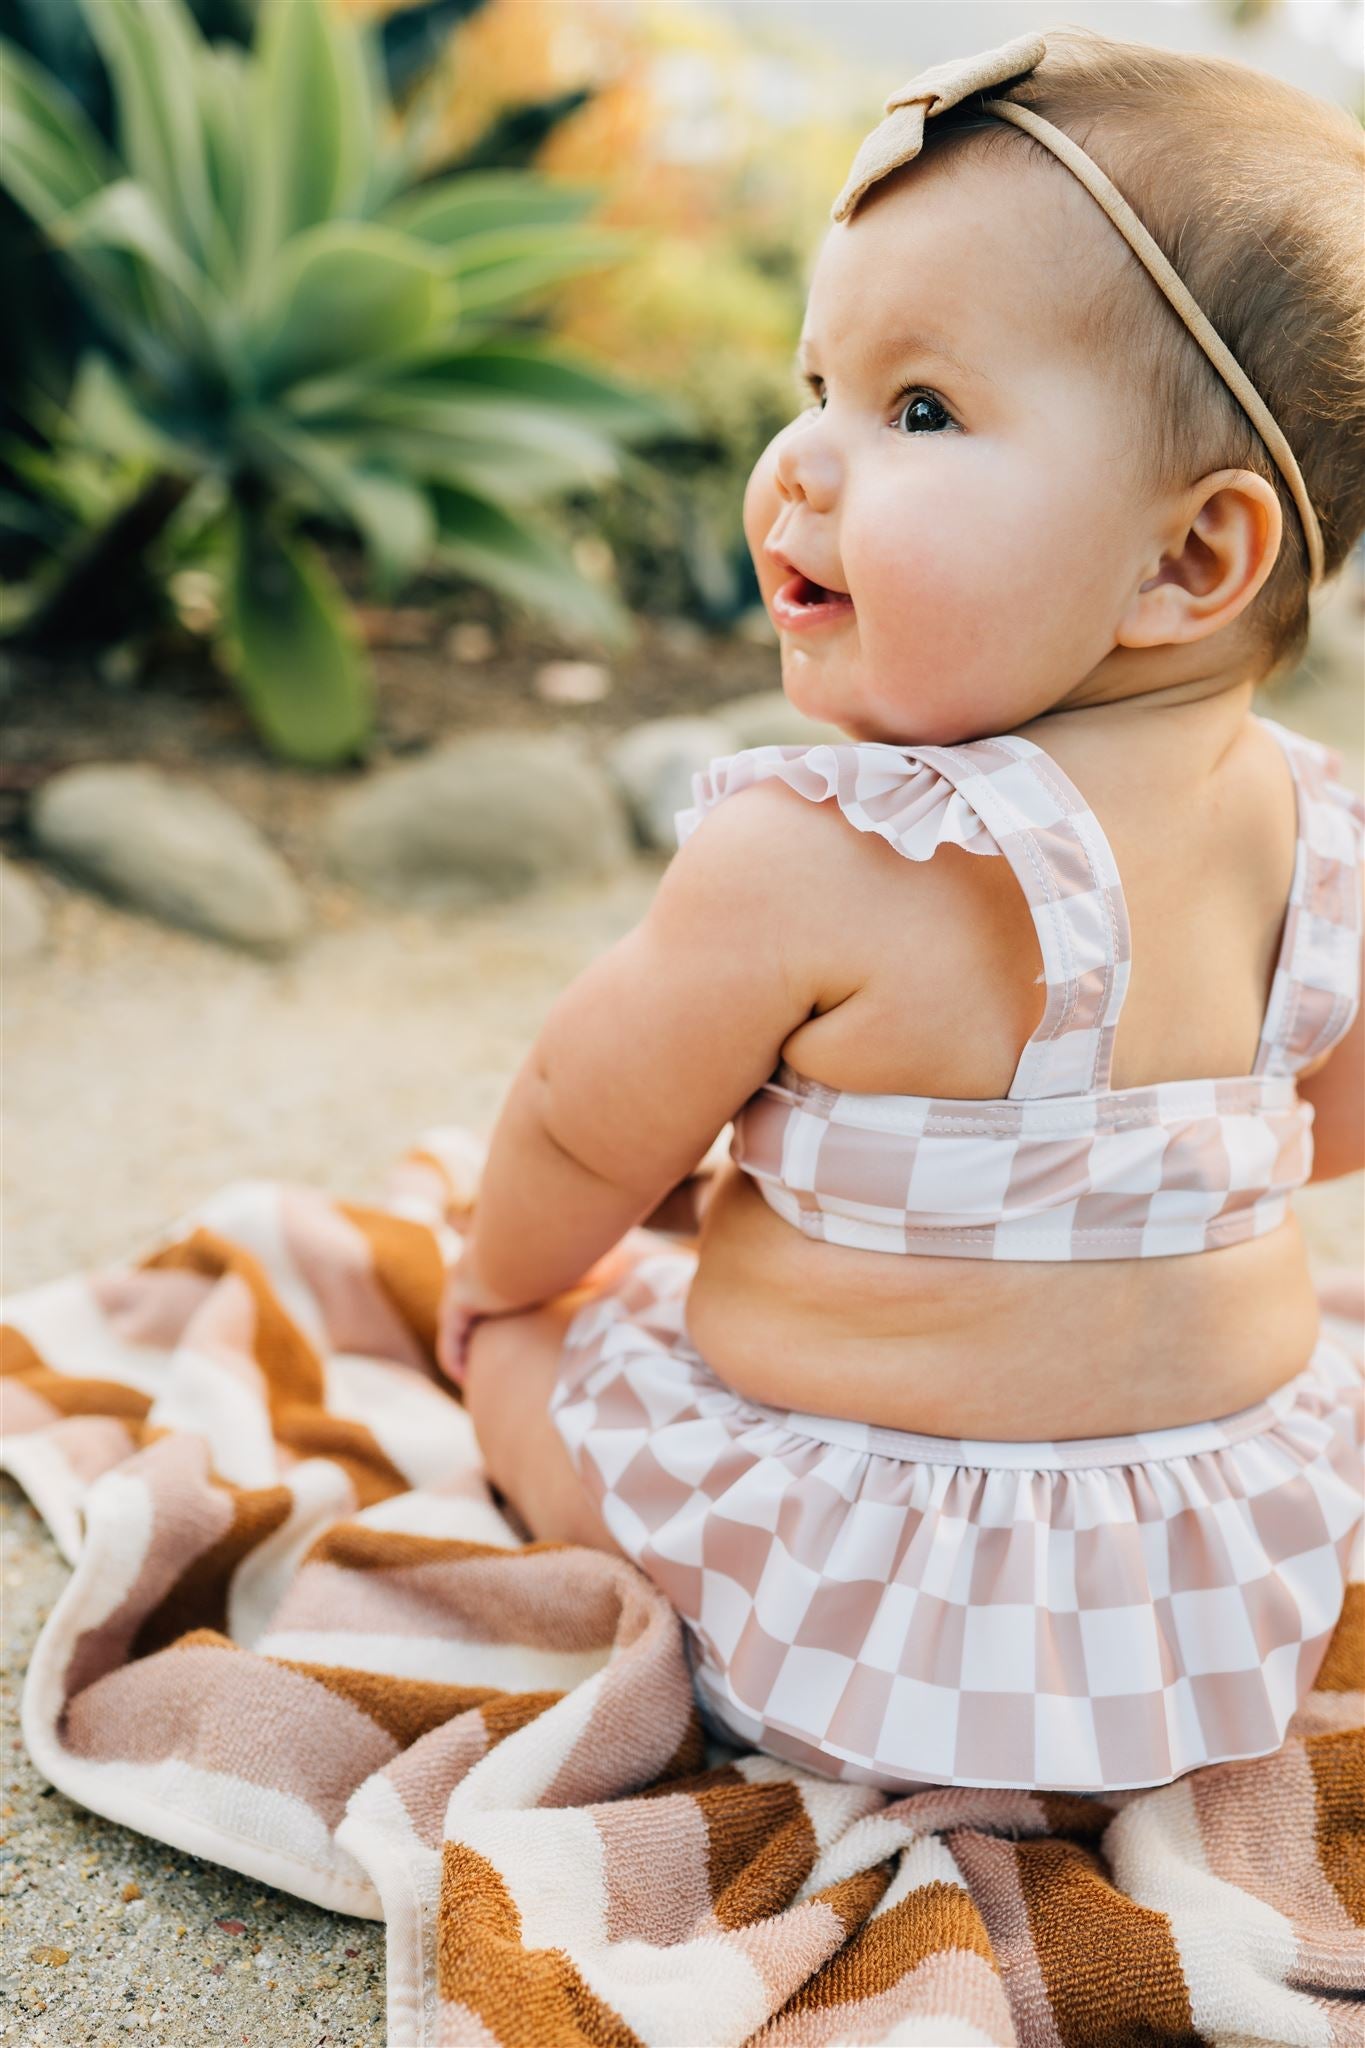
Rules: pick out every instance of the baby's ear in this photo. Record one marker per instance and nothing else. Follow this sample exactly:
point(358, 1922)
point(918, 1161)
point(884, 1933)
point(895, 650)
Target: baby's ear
point(1227, 532)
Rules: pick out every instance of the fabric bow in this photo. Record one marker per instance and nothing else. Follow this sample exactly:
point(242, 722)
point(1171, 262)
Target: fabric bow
point(900, 137)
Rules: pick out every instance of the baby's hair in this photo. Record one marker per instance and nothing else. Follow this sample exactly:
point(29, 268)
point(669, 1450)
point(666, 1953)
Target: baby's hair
point(1253, 191)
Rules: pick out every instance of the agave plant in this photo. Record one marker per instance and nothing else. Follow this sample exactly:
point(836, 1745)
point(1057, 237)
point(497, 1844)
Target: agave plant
point(295, 326)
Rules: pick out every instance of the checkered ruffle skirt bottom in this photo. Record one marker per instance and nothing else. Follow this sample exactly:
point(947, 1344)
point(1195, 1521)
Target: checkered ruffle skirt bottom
point(902, 1610)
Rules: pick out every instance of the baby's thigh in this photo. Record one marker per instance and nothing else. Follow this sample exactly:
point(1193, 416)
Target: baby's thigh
point(513, 1364)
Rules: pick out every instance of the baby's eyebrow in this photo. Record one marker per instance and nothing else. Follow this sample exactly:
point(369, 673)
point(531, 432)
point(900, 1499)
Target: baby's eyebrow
point(895, 346)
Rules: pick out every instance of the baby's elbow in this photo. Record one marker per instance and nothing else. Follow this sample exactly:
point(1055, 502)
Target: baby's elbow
point(1335, 1086)
point(1337, 1151)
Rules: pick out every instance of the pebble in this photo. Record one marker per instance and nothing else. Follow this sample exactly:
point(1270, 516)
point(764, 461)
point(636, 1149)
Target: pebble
point(470, 640)
point(593, 557)
point(382, 625)
point(571, 682)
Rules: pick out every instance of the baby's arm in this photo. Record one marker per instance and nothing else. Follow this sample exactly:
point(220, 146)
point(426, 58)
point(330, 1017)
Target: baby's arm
point(648, 1054)
point(1336, 1090)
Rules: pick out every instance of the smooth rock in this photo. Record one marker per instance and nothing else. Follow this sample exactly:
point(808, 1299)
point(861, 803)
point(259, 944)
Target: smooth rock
point(571, 682)
point(23, 915)
point(477, 820)
point(173, 848)
point(653, 765)
point(470, 640)
point(767, 719)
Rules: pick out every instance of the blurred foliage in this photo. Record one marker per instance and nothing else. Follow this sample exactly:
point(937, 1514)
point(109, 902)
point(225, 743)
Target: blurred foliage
point(46, 344)
point(299, 326)
point(1249, 13)
point(412, 37)
point(720, 148)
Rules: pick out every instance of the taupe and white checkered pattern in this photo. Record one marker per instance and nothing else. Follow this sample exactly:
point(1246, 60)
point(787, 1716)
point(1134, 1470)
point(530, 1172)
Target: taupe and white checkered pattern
point(902, 1610)
point(1063, 1167)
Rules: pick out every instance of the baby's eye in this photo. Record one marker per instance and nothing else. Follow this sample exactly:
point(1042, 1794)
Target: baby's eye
point(927, 414)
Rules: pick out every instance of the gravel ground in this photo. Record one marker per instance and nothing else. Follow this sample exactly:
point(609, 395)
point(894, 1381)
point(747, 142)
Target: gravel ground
point(144, 1068)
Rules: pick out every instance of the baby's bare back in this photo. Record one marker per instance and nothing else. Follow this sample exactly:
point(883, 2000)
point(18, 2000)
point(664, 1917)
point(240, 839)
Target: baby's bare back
point(934, 992)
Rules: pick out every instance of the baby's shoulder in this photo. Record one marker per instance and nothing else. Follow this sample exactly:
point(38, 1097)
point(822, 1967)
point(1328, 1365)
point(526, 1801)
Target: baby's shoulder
point(851, 851)
point(761, 835)
point(900, 794)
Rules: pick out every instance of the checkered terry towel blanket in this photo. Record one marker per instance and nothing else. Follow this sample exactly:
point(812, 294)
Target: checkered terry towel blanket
point(300, 1639)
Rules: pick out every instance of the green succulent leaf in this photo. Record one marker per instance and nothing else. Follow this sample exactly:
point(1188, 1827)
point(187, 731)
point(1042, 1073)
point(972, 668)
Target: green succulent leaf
point(343, 292)
point(492, 418)
point(397, 523)
point(293, 653)
point(545, 375)
point(507, 265)
point(392, 515)
point(315, 128)
point(511, 476)
point(124, 217)
point(52, 158)
point(224, 83)
point(487, 202)
point(289, 321)
point(106, 415)
point(151, 56)
point(492, 442)
point(479, 538)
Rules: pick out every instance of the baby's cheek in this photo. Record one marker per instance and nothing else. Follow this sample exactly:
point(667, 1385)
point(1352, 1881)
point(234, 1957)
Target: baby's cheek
point(943, 630)
point(912, 579)
point(762, 503)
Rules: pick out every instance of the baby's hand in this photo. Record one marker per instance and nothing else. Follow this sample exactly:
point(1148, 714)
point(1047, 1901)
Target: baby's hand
point(465, 1302)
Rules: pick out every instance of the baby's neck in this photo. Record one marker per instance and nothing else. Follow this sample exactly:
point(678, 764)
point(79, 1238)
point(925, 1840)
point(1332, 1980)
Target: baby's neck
point(1195, 722)
point(1156, 678)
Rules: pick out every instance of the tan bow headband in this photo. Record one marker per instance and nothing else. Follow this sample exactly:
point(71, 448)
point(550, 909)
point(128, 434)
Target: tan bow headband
point(900, 137)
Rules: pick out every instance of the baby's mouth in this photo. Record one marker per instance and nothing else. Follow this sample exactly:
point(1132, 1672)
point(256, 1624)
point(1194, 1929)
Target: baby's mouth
point(800, 603)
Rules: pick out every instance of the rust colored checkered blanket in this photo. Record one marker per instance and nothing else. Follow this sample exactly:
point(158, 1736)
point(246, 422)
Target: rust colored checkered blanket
point(300, 1639)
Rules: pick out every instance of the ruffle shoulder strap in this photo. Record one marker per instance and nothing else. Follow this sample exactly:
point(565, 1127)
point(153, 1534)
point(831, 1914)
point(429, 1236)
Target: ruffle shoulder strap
point(997, 796)
point(1316, 989)
point(881, 789)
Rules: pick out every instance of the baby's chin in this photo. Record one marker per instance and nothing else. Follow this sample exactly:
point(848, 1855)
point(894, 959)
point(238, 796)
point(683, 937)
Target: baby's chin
point(908, 723)
point(882, 726)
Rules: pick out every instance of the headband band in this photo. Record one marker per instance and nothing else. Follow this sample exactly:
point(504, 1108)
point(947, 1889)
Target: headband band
point(900, 137)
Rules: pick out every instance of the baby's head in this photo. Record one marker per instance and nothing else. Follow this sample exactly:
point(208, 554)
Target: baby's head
point(1023, 471)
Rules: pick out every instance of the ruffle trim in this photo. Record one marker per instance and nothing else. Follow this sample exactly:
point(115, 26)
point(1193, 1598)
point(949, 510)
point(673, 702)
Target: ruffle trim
point(878, 788)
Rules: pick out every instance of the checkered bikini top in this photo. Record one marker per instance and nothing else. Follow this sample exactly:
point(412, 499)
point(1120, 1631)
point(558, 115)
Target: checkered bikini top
point(1064, 1166)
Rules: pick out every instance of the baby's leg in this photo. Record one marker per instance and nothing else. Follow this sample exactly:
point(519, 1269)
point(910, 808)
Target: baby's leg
point(513, 1364)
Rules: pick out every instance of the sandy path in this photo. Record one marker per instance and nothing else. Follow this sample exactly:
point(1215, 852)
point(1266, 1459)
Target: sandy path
point(144, 1067)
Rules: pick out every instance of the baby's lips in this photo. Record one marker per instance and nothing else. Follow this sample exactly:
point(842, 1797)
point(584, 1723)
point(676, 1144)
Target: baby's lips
point(796, 605)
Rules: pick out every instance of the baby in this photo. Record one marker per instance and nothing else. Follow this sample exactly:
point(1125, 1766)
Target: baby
point(1055, 964)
